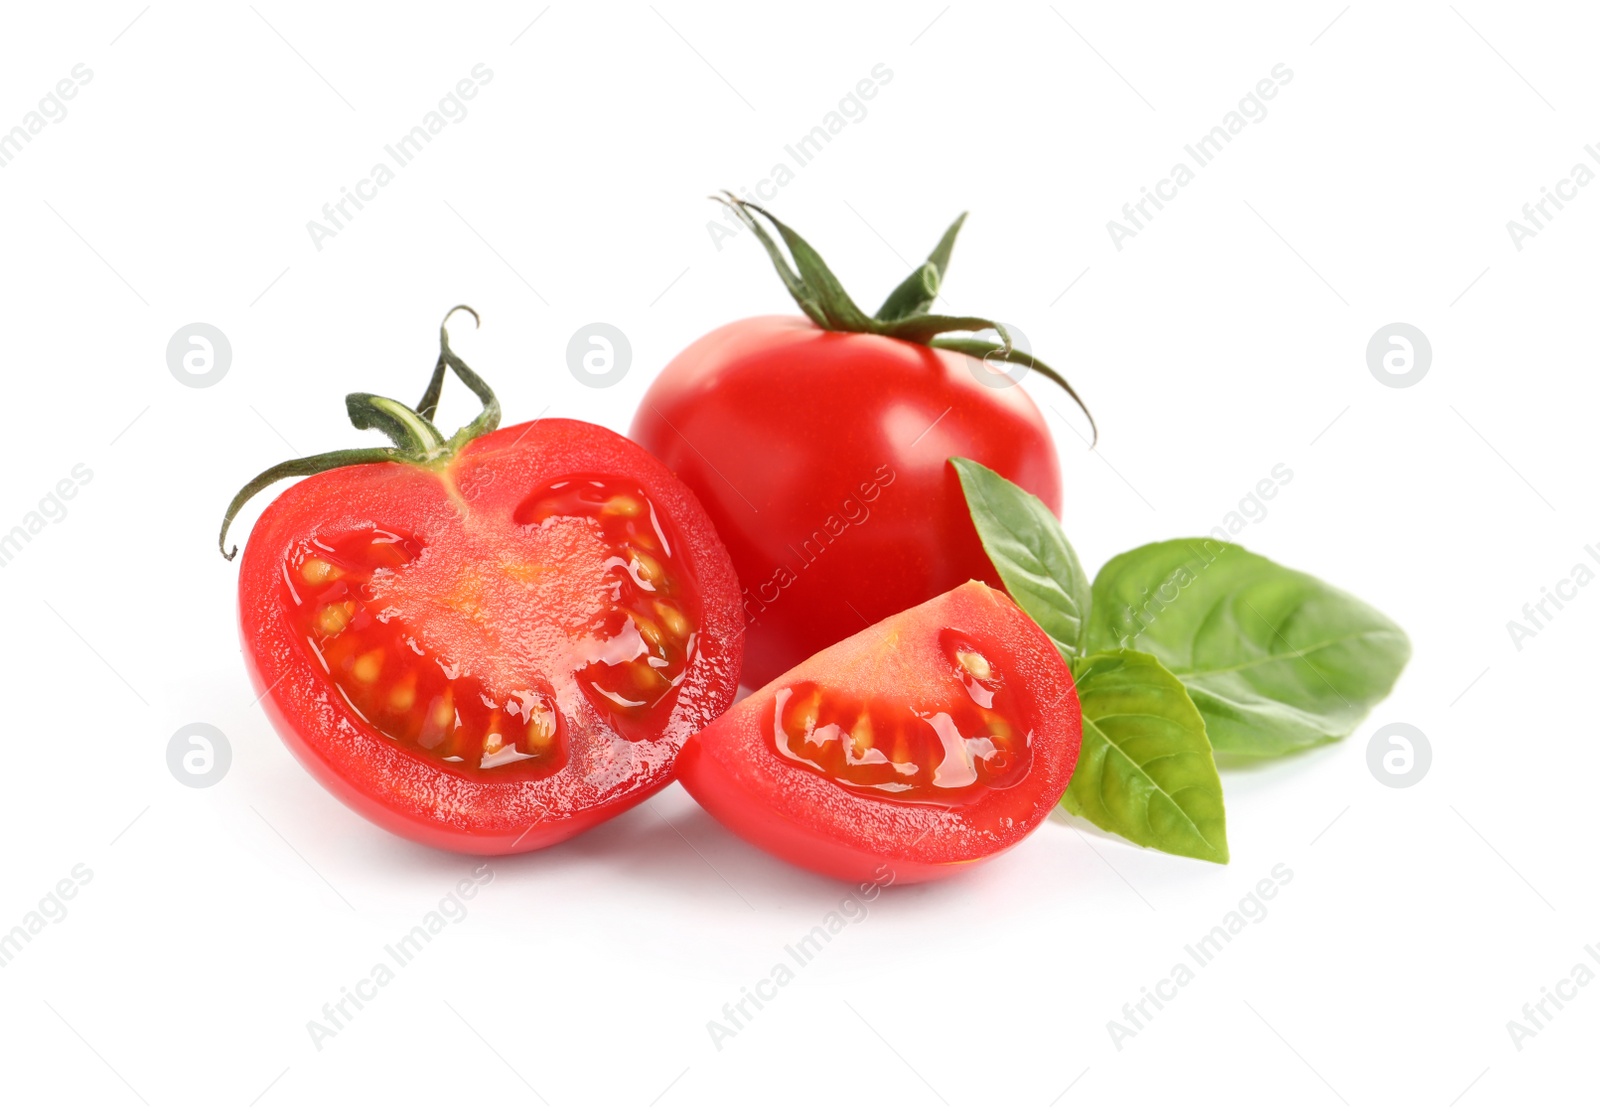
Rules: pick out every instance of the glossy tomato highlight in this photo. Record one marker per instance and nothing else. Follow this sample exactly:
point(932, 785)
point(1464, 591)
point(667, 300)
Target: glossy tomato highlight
point(913, 749)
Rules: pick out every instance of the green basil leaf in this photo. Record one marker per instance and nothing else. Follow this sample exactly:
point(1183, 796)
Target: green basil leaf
point(1145, 770)
point(1025, 542)
point(1275, 659)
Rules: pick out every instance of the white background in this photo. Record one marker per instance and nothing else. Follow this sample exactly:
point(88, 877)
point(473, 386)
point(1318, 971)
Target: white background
point(1227, 337)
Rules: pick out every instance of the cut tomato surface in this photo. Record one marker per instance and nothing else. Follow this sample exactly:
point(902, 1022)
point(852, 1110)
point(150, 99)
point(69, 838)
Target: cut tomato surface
point(926, 743)
point(494, 652)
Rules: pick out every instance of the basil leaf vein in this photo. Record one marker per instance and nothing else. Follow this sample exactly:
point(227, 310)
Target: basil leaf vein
point(1276, 660)
point(1145, 770)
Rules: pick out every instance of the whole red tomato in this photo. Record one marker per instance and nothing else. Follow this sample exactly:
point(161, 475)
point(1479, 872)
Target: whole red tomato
point(819, 447)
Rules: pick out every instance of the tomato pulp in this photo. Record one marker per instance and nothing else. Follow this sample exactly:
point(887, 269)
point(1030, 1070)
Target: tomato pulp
point(913, 749)
point(821, 457)
point(492, 653)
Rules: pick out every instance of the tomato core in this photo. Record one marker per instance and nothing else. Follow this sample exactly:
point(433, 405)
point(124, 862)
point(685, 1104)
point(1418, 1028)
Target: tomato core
point(465, 649)
point(946, 754)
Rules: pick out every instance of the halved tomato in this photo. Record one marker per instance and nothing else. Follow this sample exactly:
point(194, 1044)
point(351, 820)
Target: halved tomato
point(492, 643)
point(926, 743)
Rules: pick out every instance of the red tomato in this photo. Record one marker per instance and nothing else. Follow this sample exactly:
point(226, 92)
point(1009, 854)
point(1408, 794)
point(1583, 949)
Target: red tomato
point(919, 746)
point(492, 644)
point(821, 457)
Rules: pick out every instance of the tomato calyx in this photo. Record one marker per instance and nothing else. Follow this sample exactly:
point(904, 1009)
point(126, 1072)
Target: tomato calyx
point(416, 439)
point(904, 314)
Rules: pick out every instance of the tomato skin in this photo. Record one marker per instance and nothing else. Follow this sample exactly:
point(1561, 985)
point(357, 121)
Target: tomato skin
point(398, 789)
point(821, 458)
point(732, 770)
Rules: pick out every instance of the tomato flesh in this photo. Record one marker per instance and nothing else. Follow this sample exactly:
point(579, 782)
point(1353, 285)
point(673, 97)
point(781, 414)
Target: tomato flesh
point(391, 680)
point(492, 655)
point(376, 620)
point(934, 739)
point(946, 753)
point(645, 644)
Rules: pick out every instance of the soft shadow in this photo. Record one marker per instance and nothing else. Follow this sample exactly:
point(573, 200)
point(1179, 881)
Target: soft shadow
point(668, 844)
point(1060, 816)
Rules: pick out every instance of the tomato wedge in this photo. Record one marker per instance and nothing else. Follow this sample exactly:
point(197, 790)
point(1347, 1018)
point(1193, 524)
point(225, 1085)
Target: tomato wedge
point(935, 739)
point(493, 644)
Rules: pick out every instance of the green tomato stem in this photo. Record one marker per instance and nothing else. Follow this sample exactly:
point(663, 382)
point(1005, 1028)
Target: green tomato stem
point(416, 439)
point(904, 314)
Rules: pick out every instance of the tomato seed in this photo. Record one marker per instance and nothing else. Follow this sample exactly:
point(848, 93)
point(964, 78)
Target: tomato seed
point(316, 571)
point(975, 663)
point(404, 694)
point(334, 618)
point(368, 666)
point(673, 619)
